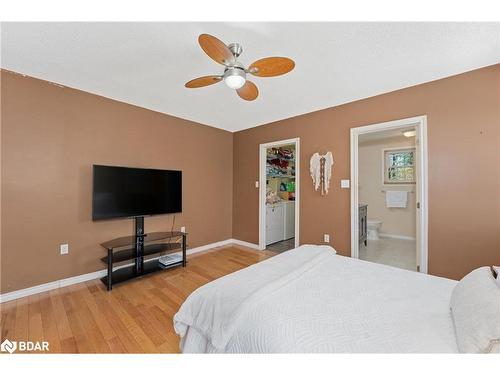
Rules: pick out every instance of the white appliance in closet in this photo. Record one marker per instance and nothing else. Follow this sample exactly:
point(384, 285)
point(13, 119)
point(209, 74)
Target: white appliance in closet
point(280, 221)
point(289, 219)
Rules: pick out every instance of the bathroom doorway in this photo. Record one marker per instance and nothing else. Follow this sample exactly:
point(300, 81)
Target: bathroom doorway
point(279, 195)
point(389, 193)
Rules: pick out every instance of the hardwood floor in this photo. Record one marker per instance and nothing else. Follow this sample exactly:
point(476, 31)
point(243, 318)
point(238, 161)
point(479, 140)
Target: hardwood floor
point(135, 317)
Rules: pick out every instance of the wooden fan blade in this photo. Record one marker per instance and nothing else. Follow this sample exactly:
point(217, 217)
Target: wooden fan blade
point(271, 66)
point(216, 49)
point(248, 92)
point(203, 81)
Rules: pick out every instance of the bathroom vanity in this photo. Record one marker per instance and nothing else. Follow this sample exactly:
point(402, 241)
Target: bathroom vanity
point(363, 223)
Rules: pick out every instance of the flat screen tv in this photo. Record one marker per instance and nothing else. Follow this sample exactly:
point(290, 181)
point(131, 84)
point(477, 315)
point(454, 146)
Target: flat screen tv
point(122, 192)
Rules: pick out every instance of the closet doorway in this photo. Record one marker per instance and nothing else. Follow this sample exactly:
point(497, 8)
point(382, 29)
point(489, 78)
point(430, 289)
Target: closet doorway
point(279, 195)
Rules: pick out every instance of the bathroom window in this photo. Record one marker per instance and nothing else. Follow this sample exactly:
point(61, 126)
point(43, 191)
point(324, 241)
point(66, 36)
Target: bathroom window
point(399, 166)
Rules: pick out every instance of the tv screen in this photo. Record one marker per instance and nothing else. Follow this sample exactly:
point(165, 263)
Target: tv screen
point(129, 192)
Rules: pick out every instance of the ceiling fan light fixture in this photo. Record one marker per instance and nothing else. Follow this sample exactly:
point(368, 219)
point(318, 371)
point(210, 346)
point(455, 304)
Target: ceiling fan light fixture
point(235, 78)
point(235, 73)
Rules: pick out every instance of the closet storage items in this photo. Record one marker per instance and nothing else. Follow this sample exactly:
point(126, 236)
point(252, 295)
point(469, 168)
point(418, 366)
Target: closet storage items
point(280, 162)
point(280, 193)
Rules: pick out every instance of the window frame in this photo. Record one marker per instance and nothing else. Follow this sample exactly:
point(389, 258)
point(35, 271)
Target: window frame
point(385, 166)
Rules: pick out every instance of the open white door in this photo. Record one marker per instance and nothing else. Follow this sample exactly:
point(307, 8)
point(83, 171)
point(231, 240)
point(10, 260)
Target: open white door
point(418, 242)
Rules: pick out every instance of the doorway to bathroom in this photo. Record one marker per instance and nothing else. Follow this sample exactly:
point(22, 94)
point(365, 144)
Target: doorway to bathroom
point(279, 193)
point(389, 193)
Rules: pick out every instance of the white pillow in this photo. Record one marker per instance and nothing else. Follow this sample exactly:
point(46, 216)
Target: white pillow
point(475, 307)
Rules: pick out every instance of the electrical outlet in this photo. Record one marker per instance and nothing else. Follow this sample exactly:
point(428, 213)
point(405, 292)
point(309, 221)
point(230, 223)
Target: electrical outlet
point(183, 229)
point(64, 248)
point(326, 238)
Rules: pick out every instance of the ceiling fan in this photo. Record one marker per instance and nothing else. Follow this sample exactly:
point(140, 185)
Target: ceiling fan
point(235, 73)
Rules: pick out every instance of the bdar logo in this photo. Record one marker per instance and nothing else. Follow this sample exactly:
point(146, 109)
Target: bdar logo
point(24, 346)
point(8, 346)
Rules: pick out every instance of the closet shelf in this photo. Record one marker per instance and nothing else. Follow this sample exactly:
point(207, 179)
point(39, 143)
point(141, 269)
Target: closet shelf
point(280, 158)
point(280, 176)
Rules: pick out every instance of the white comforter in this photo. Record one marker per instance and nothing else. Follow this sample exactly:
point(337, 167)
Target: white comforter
point(311, 300)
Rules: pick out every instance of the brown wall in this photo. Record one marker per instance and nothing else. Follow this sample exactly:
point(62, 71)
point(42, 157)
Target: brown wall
point(464, 168)
point(51, 136)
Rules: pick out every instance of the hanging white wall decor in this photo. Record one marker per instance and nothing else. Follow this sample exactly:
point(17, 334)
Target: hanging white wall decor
point(320, 167)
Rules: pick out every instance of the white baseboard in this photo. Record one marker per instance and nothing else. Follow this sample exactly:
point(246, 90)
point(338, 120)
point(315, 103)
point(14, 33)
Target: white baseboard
point(52, 285)
point(388, 235)
point(98, 274)
point(246, 244)
point(209, 246)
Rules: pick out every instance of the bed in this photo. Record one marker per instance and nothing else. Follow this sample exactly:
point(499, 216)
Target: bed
point(311, 300)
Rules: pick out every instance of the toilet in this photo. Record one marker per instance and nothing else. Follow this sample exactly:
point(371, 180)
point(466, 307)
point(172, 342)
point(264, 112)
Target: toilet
point(373, 227)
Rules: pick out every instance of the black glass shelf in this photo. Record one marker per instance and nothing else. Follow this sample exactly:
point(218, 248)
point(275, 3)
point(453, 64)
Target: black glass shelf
point(136, 249)
point(148, 237)
point(129, 272)
point(130, 252)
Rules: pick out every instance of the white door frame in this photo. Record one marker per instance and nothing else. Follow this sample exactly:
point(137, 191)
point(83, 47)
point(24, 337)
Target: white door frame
point(262, 188)
point(420, 124)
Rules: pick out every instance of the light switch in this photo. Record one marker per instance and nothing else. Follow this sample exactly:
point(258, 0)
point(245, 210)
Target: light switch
point(344, 184)
point(257, 184)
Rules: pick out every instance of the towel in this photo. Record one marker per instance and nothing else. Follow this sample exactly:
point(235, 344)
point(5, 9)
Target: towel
point(396, 198)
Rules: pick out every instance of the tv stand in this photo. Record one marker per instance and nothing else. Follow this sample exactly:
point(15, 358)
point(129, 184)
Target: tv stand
point(138, 247)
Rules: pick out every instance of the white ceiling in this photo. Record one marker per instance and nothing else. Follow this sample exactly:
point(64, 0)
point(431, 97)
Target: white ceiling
point(147, 64)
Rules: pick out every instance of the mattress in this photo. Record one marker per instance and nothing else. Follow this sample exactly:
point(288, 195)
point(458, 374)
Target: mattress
point(310, 300)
